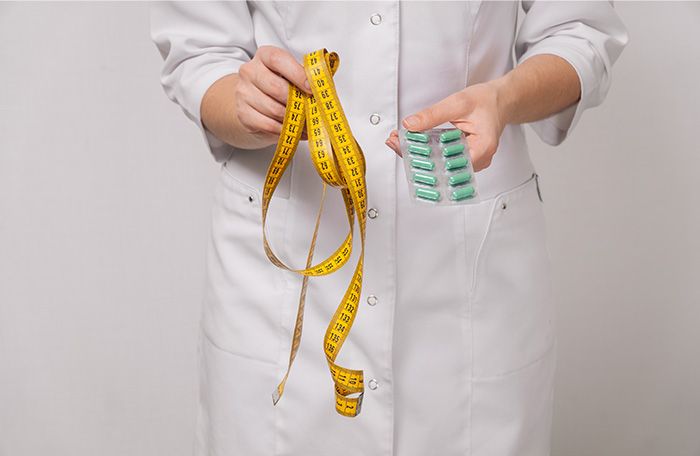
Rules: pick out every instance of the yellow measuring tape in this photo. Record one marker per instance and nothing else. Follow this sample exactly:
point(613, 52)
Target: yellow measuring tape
point(339, 162)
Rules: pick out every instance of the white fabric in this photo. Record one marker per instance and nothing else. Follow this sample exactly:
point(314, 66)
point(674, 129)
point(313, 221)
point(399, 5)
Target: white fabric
point(461, 340)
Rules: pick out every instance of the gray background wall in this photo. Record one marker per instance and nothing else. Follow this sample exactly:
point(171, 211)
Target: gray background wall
point(104, 218)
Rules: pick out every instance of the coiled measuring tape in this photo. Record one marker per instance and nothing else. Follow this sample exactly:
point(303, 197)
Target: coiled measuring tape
point(339, 162)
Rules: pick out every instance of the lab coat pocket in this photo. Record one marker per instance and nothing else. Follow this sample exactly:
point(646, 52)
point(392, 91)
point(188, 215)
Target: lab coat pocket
point(245, 292)
point(511, 301)
point(235, 414)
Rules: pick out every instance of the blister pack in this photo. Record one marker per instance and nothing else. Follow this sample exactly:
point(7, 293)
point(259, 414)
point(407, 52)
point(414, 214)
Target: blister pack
point(438, 167)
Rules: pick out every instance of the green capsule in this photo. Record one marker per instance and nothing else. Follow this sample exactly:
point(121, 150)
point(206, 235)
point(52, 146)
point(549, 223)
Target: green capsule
point(460, 178)
point(422, 164)
point(426, 179)
point(453, 149)
point(426, 193)
point(419, 149)
point(462, 193)
point(417, 136)
point(450, 135)
point(456, 163)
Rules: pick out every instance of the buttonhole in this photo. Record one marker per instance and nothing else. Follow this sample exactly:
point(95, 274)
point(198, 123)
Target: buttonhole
point(503, 205)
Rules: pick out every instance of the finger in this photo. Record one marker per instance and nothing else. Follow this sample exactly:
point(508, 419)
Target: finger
point(284, 64)
point(255, 122)
point(394, 146)
point(478, 152)
point(448, 109)
point(265, 104)
point(393, 142)
point(481, 164)
point(271, 84)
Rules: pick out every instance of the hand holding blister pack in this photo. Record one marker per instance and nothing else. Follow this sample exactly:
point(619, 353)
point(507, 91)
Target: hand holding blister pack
point(438, 166)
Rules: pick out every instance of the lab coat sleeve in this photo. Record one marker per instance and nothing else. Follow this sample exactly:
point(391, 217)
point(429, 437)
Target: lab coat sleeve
point(199, 45)
point(588, 35)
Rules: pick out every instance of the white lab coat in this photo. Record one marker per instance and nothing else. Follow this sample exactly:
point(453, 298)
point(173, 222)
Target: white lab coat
point(455, 333)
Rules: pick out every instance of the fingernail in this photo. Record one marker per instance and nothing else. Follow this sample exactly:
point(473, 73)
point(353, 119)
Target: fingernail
point(307, 85)
point(410, 121)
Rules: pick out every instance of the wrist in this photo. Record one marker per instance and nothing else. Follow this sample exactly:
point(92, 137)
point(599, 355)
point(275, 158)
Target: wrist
point(504, 99)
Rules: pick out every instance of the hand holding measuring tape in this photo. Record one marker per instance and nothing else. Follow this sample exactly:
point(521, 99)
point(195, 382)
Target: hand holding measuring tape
point(339, 162)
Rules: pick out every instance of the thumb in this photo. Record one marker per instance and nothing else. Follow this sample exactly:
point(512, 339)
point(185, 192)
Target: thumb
point(450, 108)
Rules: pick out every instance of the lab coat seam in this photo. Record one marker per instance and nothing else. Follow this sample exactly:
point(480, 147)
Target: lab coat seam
point(228, 157)
point(470, 322)
point(507, 194)
point(282, 16)
point(282, 191)
point(279, 364)
point(471, 381)
point(466, 56)
point(201, 442)
point(518, 369)
point(470, 364)
point(285, 315)
point(276, 422)
point(477, 257)
point(199, 389)
point(283, 348)
point(472, 16)
point(235, 184)
point(394, 280)
point(232, 353)
point(470, 339)
point(213, 251)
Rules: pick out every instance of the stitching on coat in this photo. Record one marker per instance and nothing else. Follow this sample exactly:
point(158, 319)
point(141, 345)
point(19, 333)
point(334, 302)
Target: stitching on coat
point(496, 200)
point(470, 294)
point(231, 352)
point(544, 354)
point(236, 184)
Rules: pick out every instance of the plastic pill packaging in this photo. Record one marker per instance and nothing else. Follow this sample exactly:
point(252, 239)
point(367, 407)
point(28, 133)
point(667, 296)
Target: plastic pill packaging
point(438, 167)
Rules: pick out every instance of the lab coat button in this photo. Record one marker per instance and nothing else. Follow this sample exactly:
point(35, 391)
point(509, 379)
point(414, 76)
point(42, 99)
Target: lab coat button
point(373, 384)
point(372, 300)
point(374, 119)
point(372, 213)
point(375, 19)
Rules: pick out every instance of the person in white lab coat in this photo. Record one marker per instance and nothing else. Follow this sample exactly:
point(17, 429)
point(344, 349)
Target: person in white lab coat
point(455, 334)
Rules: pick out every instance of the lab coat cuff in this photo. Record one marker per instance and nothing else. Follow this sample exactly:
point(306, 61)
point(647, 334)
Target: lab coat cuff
point(588, 65)
point(192, 103)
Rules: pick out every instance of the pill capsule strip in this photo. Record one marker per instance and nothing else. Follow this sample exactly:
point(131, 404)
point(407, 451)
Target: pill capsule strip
point(421, 163)
point(443, 178)
point(417, 136)
point(451, 150)
point(450, 135)
point(456, 163)
point(462, 193)
point(426, 179)
point(459, 178)
point(419, 149)
point(426, 193)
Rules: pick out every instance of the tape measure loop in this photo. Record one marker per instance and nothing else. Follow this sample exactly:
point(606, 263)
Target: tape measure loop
point(340, 163)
